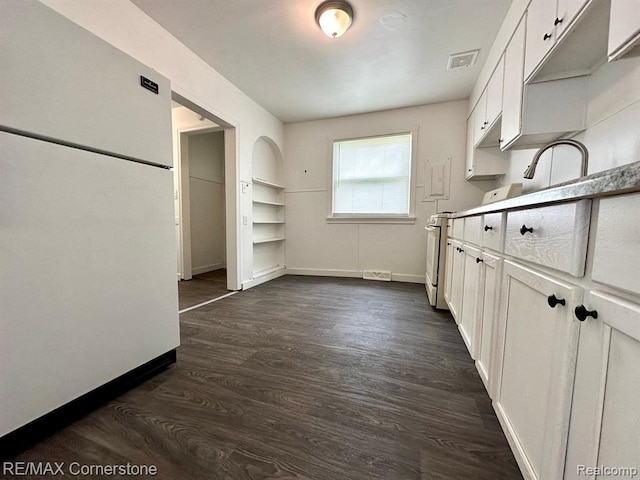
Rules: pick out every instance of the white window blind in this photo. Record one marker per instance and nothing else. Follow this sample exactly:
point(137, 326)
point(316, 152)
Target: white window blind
point(372, 176)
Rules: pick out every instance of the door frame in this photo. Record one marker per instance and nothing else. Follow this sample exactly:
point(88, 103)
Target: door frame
point(184, 197)
point(231, 190)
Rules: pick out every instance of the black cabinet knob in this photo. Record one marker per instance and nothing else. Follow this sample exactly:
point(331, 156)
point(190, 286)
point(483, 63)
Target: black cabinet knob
point(449, 244)
point(547, 36)
point(582, 313)
point(553, 301)
point(486, 123)
point(482, 127)
point(558, 21)
point(487, 227)
point(524, 229)
point(478, 260)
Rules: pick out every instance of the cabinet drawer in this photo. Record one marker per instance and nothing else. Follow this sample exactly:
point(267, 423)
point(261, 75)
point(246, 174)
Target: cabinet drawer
point(615, 259)
point(458, 228)
point(492, 229)
point(472, 229)
point(554, 236)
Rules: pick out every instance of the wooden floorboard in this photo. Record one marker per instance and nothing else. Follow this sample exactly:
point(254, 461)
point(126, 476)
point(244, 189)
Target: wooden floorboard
point(202, 288)
point(304, 378)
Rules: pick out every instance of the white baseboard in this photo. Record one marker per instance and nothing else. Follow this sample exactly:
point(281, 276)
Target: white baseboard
point(401, 277)
point(207, 268)
point(324, 273)
point(395, 277)
point(264, 278)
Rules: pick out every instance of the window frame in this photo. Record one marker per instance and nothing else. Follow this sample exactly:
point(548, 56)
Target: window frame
point(409, 218)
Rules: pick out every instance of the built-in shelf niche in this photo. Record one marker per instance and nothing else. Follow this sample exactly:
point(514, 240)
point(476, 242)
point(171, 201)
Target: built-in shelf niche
point(268, 220)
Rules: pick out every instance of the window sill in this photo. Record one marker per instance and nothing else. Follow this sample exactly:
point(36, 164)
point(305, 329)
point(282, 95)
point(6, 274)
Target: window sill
point(402, 220)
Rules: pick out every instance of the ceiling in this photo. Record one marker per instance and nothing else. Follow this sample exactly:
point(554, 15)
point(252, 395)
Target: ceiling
point(394, 55)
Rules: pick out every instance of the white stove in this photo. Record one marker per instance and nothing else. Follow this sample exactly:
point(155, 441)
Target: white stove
point(436, 259)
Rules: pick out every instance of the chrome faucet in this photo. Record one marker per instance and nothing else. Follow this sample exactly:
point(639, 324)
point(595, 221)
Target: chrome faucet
point(531, 169)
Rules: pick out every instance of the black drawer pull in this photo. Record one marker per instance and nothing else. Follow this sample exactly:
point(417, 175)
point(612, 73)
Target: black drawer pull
point(487, 227)
point(553, 301)
point(558, 21)
point(524, 229)
point(547, 36)
point(449, 244)
point(478, 260)
point(582, 313)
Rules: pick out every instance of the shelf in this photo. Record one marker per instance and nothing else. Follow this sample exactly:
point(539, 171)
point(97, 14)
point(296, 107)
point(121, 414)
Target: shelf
point(264, 202)
point(267, 240)
point(268, 222)
point(260, 181)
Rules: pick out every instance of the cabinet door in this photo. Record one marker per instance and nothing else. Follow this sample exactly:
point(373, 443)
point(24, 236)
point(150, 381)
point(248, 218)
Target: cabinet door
point(469, 312)
point(494, 93)
point(470, 146)
point(480, 118)
point(490, 276)
point(605, 419)
point(449, 273)
point(624, 26)
point(457, 279)
point(567, 11)
point(513, 87)
point(540, 33)
point(538, 345)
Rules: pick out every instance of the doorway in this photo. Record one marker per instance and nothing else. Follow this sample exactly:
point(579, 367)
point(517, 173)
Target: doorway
point(206, 268)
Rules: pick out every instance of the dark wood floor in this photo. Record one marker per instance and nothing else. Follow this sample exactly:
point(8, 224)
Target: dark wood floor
point(202, 288)
point(305, 378)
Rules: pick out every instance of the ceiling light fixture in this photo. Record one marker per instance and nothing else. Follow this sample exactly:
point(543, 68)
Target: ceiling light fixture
point(334, 17)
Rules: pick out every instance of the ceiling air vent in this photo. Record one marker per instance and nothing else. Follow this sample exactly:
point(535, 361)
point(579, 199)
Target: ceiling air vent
point(462, 59)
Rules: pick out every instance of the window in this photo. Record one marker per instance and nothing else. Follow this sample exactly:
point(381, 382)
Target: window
point(372, 177)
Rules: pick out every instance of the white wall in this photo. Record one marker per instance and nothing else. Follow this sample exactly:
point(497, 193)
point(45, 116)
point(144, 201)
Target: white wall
point(206, 191)
point(125, 26)
point(314, 246)
point(612, 136)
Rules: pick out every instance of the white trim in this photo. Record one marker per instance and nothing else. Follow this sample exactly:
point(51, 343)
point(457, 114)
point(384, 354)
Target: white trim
point(413, 131)
point(325, 272)
point(395, 277)
point(207, 302)
point(264, 278)
point(406, 278)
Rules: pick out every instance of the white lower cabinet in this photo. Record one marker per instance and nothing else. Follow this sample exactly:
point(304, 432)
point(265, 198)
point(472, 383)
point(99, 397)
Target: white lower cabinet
point(455, 279)
point(536, 352)
point(605, 419)
point(488, 289)
point(469, 311)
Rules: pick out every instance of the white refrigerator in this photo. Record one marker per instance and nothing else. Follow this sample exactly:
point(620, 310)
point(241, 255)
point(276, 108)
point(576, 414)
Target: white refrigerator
point(88, 288)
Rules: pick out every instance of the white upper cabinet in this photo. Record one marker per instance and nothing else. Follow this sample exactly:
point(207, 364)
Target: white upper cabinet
point(565, 39)
point(494, 94)
point(535, 114)
point(547, 21)
point(541, 32)
point(488, 110)
point(513, 87)
point(624, 27)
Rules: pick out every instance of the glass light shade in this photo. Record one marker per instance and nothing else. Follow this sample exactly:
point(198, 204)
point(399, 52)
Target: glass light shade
point(334, 18)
